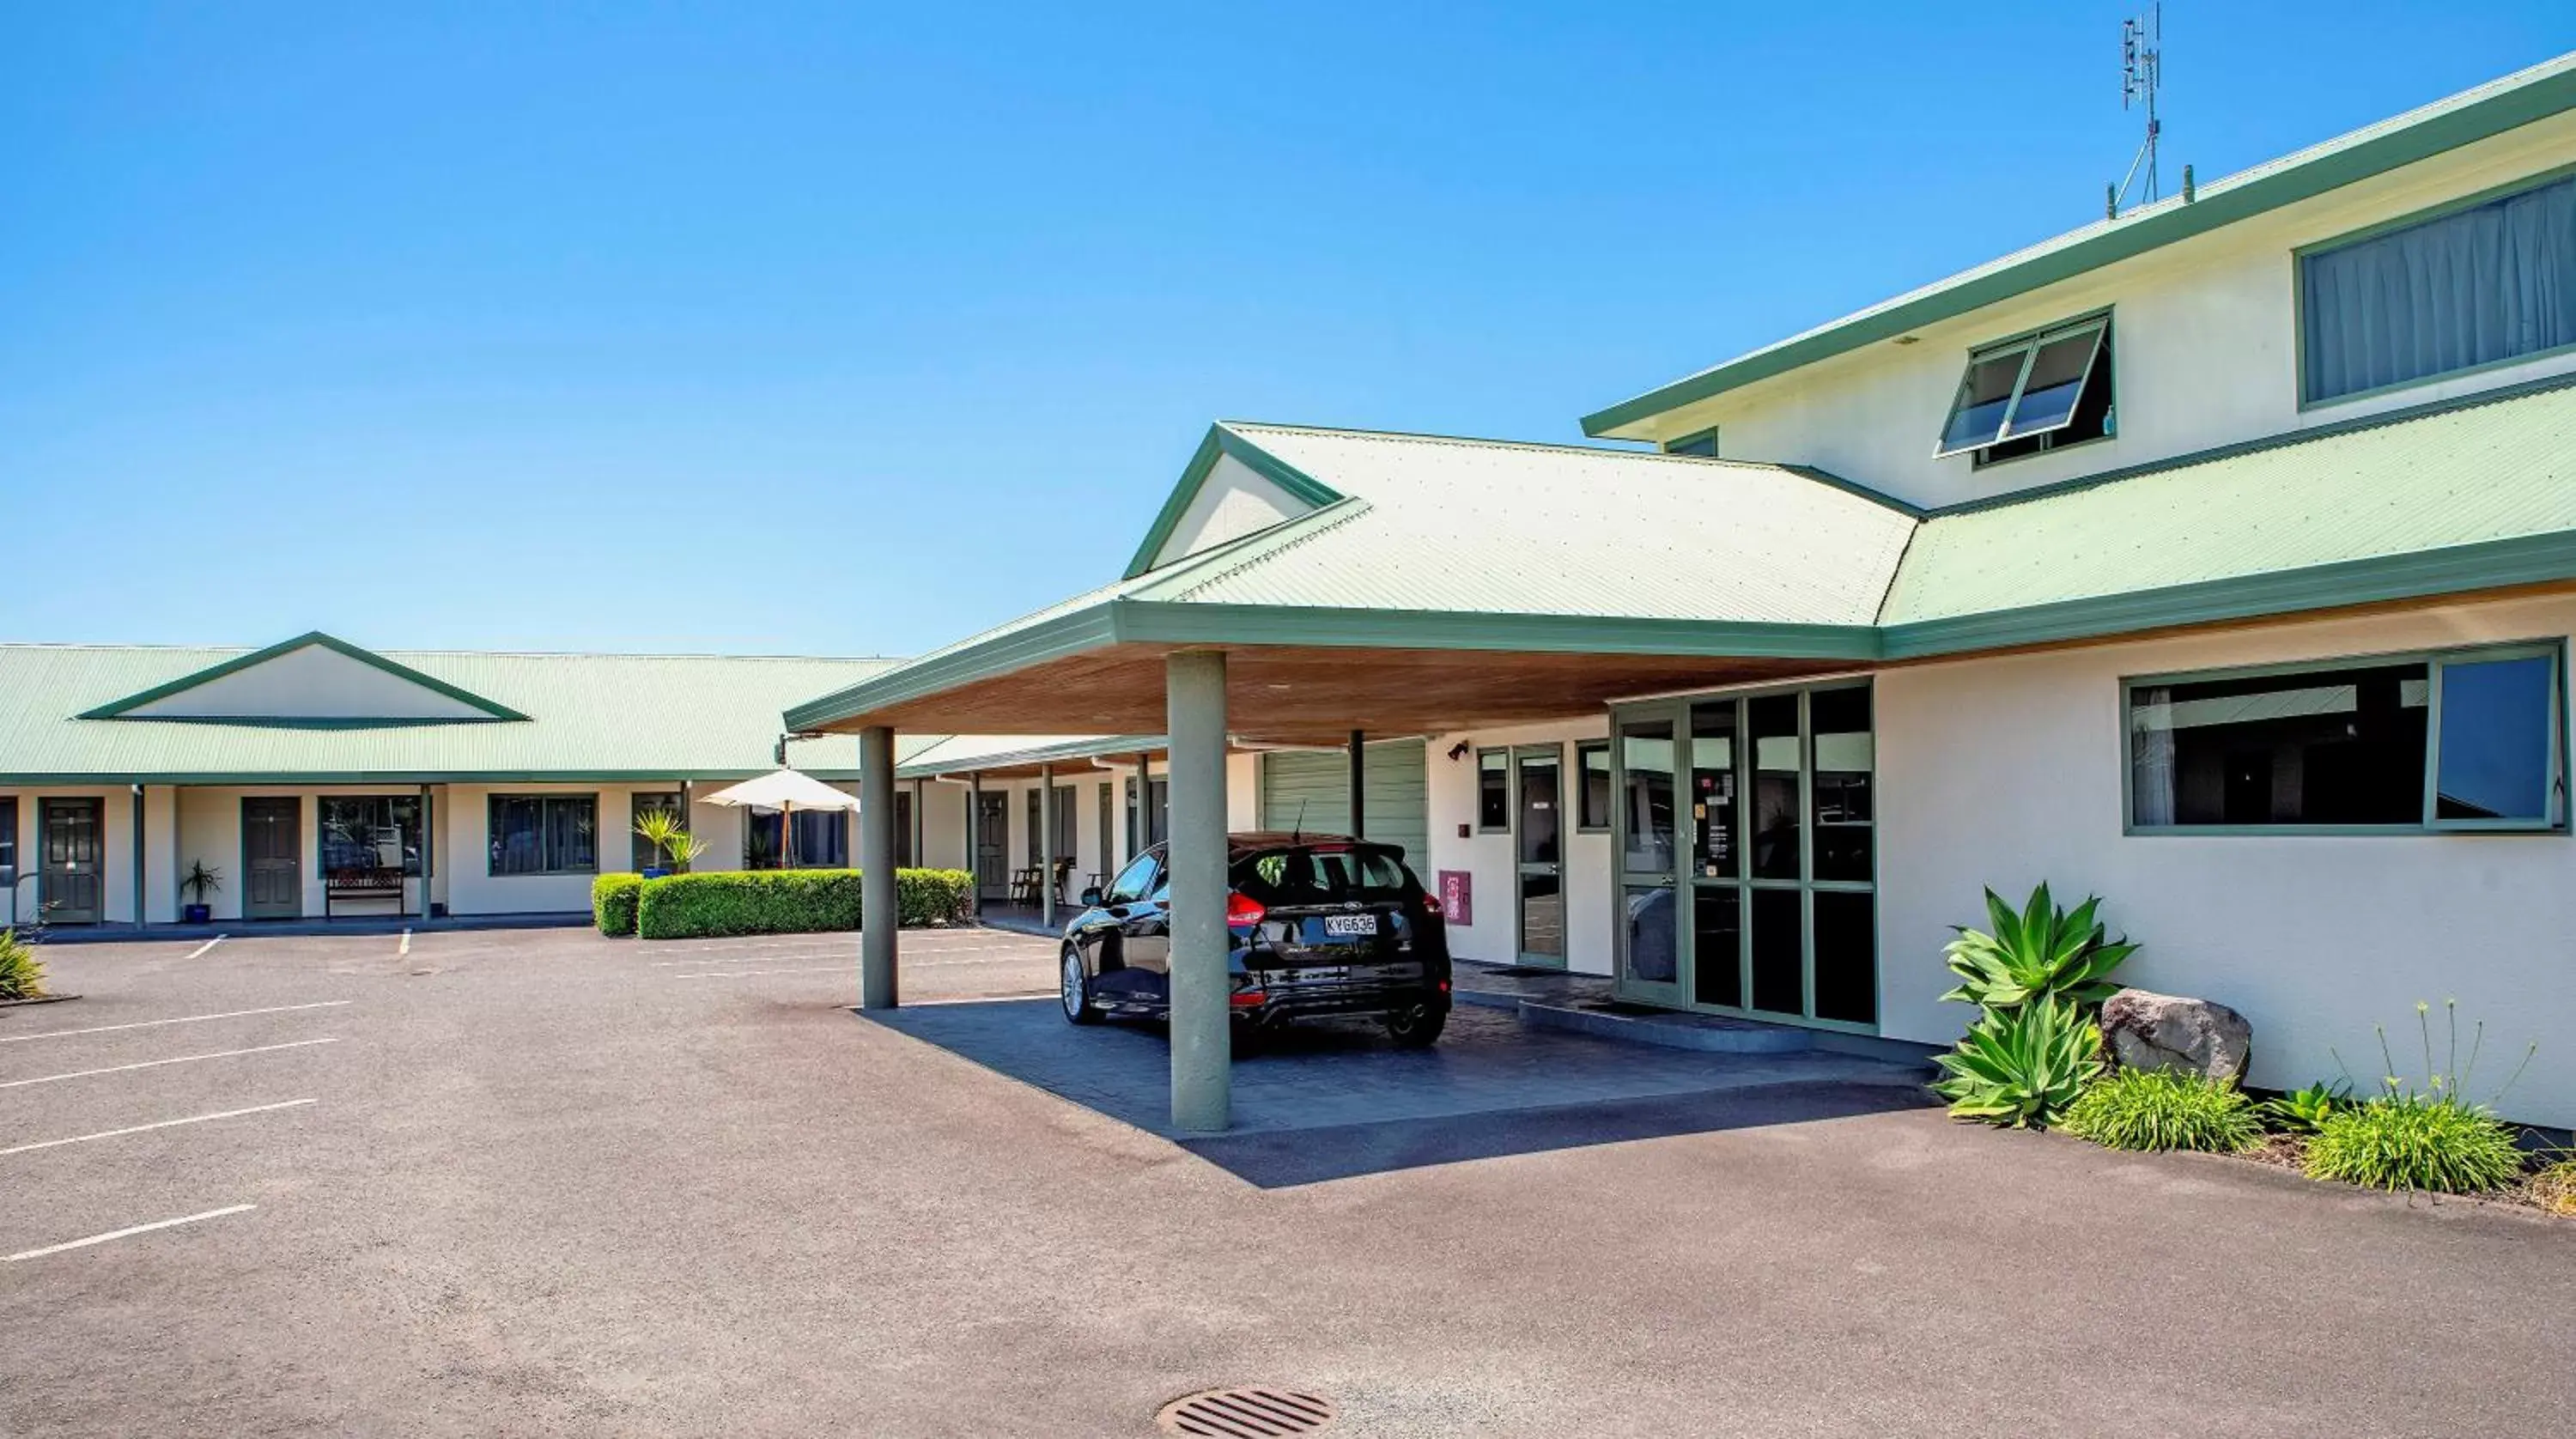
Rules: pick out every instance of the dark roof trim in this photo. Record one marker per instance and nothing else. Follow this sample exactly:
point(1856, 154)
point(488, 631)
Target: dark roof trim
point(186, 682)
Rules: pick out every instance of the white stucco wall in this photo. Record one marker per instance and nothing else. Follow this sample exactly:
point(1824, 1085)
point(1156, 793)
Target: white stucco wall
point(2205, 349)
point(1493, 936)
point(2008, 771)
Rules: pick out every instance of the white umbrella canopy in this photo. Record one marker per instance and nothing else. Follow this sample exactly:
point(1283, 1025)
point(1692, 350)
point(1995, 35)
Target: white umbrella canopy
point(785, 791)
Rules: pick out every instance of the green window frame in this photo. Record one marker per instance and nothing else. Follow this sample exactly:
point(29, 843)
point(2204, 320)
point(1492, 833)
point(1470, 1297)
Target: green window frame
point(1764, 746)
point(1591, 818)
point(1987, 418)
point(1701, 444)
point(1493, 791)
point(2437, 665)
point(2309, 397)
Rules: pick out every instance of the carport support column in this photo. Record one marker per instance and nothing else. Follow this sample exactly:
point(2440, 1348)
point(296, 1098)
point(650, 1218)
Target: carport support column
point(879, 913)
point(1046, 845)
point(1359, 785)
point(1202, 1049)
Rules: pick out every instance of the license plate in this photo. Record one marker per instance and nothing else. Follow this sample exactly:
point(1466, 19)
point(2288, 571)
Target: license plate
point(1350, 924)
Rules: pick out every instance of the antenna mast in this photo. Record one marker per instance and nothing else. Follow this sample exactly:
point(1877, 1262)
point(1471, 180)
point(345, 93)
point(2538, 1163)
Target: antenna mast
point(2141, 71)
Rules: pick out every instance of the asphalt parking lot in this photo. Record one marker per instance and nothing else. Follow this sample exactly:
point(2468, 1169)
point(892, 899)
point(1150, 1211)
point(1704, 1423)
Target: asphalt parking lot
point(538, 1182)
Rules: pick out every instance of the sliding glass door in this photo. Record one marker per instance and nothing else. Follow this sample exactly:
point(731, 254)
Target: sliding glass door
point(1759, 897)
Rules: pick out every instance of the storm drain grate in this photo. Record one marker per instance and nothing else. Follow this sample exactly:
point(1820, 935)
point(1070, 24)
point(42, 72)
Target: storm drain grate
point(1250, 1412)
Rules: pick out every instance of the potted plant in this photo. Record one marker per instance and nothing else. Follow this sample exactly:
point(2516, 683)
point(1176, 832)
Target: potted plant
point(669, 835)
point(201, 881)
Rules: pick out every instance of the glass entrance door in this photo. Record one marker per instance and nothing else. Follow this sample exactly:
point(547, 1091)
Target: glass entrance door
point(1649, 929)
point(1538, 838)
point(1779, 861)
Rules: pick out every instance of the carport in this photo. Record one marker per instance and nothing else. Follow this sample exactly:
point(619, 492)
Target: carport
point(1309, 587)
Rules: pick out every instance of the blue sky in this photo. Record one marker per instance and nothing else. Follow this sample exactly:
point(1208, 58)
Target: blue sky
point(839, 329)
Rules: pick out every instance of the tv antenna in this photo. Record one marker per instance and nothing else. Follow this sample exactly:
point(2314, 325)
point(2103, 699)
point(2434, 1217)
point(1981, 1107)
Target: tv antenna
point(2141, 71)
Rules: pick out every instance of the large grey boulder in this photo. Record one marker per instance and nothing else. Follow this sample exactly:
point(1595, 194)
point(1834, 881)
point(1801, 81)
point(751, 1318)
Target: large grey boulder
point(2146, 1030)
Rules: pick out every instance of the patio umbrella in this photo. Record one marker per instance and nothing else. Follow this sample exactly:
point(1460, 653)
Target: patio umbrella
point(785, 791)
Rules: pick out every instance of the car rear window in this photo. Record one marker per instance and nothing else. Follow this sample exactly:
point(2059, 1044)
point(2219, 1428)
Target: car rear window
point(1332, 876)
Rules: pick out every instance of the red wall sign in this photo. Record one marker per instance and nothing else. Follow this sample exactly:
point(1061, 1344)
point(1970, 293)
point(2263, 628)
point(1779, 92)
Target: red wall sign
point(1458, 896)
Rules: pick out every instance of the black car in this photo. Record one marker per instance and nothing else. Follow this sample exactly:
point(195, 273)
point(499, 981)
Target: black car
point(1318, 927)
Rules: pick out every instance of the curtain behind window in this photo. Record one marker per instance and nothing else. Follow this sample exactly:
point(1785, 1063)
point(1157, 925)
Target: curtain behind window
point(2482, 285)
point(2151, 755)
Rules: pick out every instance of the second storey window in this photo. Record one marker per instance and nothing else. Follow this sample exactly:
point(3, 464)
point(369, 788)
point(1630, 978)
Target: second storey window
point(2486, 284)
point(2036, 392)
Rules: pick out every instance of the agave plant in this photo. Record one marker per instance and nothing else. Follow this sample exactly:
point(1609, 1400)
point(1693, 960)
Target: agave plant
point(2021, 1066)
point(22, 975)
point(2305, 1111)
point(2042, 953)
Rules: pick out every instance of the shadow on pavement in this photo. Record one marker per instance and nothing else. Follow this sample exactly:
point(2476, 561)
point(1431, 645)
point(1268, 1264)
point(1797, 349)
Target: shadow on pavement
point(1336, 1101)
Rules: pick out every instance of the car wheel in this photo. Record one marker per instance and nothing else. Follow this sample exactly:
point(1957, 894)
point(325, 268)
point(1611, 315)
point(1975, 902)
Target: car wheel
point(1418, 1027)
point(1075, 982)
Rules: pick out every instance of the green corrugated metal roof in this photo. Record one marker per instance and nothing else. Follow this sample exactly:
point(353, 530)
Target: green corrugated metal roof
point(1469, 544)
point(2472, 115)
point(2490, 470)
point(1489, 527)
point(962, 753)
point(649, 716)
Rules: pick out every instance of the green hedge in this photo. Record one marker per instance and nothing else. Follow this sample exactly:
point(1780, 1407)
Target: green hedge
point(795, 901)
point(613, 899)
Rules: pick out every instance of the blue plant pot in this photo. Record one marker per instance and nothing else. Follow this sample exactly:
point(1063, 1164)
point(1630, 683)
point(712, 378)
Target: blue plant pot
point(197, 914)
point(656, 873)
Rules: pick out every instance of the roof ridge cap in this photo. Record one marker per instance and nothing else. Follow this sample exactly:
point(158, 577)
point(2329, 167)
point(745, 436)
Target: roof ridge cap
point(1285, 537)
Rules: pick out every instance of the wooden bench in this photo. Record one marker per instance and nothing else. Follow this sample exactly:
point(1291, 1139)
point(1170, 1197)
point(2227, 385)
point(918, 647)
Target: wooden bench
point(341, 885)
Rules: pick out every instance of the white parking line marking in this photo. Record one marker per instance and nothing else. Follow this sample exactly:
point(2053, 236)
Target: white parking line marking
point(200, 950)
point(746, 973)
point(164, 1124)
point(183, 1019)
point(157, 1063)
point(125, 1233)
point(405, 947)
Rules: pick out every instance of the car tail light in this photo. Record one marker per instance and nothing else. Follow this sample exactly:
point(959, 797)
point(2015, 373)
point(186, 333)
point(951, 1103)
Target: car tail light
point(1250, 998)
point(1242, 911)
point(1431, 905)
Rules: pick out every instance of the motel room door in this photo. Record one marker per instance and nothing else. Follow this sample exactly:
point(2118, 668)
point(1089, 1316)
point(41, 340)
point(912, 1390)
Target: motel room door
point(993, 845)
point(74, 890)
point(272, 858)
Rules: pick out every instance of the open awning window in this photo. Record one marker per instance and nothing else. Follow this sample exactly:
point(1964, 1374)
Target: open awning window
point(2028, 387)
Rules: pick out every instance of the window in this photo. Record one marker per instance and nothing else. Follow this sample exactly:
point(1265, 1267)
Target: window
point(9, 844)
point(374, 832)
point(1592, 784)
point(1065, 828)
point(2352, 745)
point(1135, 881)
point(822, 840)
point(1703, 444)
point(2484, 284)
point(1493, 789)
point(545, 834)
point(903, 858)
point(1771, 899)
point(1158, 819)
point(2039, 392)
point(642, 854)
point(1326, 876)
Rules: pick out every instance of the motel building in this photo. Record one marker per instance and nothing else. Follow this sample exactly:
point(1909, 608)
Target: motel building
point(2219, 558)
